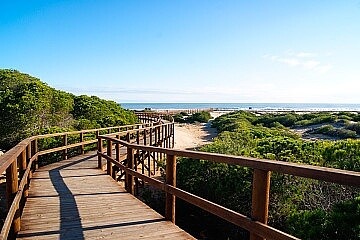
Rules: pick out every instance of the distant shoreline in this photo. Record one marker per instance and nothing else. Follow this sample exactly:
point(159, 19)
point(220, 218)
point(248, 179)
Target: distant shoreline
point(254, 107)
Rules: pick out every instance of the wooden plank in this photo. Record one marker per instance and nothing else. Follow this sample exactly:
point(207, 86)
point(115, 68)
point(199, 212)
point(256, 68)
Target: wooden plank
point(73, 199)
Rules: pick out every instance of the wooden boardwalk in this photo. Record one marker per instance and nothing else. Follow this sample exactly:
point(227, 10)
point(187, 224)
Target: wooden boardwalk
point(72, 199)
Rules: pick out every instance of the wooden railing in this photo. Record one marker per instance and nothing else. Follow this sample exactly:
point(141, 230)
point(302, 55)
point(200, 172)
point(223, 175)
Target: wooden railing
point(154, 140)
point(257, 223)
point(20, 162)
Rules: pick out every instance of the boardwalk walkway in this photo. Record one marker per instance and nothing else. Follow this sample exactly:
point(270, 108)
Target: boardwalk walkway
point(72, 199)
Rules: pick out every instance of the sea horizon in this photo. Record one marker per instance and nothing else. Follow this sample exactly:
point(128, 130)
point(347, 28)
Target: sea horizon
point(246, 106)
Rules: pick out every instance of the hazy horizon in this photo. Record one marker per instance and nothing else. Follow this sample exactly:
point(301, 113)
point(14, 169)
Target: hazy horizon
point(188, 51)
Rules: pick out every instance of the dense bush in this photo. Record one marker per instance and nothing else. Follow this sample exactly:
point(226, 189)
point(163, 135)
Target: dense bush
point(354, 127)
point(329, 130)
point(28, 106)
point(202, 117)
point(180, 118)
point(297, 205)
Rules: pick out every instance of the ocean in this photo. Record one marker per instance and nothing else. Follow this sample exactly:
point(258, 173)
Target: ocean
point(245, 106)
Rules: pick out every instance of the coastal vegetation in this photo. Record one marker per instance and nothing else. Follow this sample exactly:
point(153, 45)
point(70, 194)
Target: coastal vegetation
point(201, 117)
point(306, 208)
point(29, 107)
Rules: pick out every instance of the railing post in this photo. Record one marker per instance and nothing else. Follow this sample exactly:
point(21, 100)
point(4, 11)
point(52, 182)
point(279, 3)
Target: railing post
point(162, 136)
point(28, 157)
point(65, 142)
point(82, 150)
point(12, 186)
point(22, 163)
point(156, 154)
point(117, 149)
point(173, 135)
point(129, 179)
point(22, 169)
point(100, 149)
point(170, 180)
point(109, 154)
point(260, 198)
point(166, 136)
point(34, 151)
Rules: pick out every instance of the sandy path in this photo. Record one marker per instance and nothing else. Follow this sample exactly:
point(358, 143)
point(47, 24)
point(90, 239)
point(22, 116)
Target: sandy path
point(190, 136)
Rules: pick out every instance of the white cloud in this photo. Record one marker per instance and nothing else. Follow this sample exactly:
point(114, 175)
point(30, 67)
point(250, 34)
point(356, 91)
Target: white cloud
point(310, 64)
point(305, 60)
point(305, 55)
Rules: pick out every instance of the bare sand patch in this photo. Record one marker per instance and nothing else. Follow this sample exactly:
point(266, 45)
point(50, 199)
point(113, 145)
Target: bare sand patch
point(190, 136)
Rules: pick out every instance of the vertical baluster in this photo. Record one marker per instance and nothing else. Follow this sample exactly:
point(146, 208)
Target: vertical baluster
point(82, 150)
point(173, 135)
point(22, 169)
point(155, 144)
point(117, 147)
point(144, 153)
point(170, 180)
point(149, 156)
point(28, 157)
point(260, 198)
point(100, 150)
point(65, 143)
point(109, 153)
point(34, 151)
point(129, 179)
point(12, 186)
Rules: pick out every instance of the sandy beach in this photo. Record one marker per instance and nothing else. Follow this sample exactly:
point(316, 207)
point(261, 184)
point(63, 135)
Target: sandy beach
point(190, 136)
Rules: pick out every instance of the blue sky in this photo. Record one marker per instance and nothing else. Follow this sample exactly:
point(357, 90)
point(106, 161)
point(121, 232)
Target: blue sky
point(188, 51)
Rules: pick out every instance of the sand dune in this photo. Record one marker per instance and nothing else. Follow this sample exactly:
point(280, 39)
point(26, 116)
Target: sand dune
point(190, 136)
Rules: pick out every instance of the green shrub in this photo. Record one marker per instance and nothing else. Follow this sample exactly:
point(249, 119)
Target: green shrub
point(354, 127)
point(202, 117)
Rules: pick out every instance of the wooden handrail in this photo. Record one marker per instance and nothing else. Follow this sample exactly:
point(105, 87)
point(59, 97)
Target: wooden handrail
point(334, 175)
point(17, 188)
point(160, 131)
point(257, 224)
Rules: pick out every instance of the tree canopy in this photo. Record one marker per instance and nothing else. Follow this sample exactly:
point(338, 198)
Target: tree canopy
point(29, 106)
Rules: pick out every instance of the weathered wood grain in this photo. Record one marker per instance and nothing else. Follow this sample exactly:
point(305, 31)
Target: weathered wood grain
point(72, 199)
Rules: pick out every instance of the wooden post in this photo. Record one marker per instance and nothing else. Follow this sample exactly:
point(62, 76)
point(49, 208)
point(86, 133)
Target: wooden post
point(149, 155)
point(117, 149)
point(28, 157)
point(260, 198)
point(170, 180)
point(166, 136)
point(22, 163)
point(34, 151)
point(160, 140)
point(137, 159)
point(12, 186)
point(155, 144)
point(162, 136)
point(129, 179)
point(173, 135)
point(22, 169)
point(82, 150)
point(109, 153)
point(138, 137)
point(65, 142)
point(100, 149)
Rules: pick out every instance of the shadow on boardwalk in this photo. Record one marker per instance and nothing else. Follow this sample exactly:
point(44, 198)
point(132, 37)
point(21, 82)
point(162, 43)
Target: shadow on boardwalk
point(72, 199)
